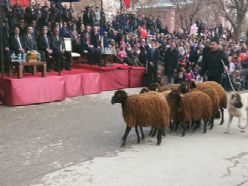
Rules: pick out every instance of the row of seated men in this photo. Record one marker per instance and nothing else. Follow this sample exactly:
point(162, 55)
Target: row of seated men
point(52, 47)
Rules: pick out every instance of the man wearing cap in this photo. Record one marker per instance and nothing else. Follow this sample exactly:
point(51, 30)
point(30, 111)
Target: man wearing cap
point(214, 62)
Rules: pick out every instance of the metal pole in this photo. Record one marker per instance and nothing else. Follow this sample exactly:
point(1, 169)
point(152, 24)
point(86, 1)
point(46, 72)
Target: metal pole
point(1, 38)
point(60, 56)
point(121, 6)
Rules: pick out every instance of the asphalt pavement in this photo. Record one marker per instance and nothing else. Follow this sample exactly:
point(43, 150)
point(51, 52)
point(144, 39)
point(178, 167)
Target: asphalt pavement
point(76, 142)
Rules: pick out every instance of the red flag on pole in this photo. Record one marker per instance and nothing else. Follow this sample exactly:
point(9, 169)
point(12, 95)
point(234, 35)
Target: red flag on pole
point(24, 3)
point(127, 3)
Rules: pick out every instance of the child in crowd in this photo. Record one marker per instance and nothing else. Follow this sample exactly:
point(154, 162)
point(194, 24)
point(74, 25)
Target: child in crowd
point(189, 74)
point(180, 78)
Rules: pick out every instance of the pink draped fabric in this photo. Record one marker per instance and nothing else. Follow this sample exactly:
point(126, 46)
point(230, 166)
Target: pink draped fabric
point(33, 90)
point(73, 85)
point(91, 83)
point(136, 77)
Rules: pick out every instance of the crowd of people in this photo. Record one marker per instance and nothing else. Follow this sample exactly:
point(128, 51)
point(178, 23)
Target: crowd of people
point(133, 39)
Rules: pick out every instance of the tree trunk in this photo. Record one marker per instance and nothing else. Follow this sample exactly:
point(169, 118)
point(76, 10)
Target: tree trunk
point(236, 31)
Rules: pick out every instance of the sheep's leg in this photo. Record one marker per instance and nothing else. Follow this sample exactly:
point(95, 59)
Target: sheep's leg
point(192, 124)
point(159, 136)
point(142, 133)
point(154, 132)
point(205, 126)
point(137, 133)
point(184, 129)
point(151, 131)
point(222, 115)
point(197, 125)
point(163, 131)
point(171, 125)
point(229, 123)
point(176, 126)
point(125, 136)
point(211, 122)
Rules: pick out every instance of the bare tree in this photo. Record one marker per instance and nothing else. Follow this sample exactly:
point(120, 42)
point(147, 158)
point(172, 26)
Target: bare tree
point(187, 11)
point(234, 11)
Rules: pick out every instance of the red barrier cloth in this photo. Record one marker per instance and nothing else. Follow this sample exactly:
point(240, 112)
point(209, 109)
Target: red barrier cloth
point(24, 3)
point(1, 89)
point(91, 83)
point(73, 85)
point(136, 77)
point(114, 79)
point(32, 90)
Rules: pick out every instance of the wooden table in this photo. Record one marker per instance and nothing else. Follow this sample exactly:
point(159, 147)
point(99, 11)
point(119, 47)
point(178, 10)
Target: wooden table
point(20, 66)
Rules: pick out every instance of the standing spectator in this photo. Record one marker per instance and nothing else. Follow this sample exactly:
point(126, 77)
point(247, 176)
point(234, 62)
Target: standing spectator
point(152, 63)
point(97, 16)
point(88, 17)
point(212, 62)
point(65, 30)
point(171, 61)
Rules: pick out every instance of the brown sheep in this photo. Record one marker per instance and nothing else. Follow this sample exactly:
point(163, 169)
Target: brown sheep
point(148, 109)
point(220, 90)
point(211, 92)
point(192, 106)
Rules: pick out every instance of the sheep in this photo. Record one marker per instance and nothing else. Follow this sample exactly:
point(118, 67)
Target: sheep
point(192, 106)
point(153, 131)
point(211, 92)
point(148, 109)
point(220, 90)
point(157, 87)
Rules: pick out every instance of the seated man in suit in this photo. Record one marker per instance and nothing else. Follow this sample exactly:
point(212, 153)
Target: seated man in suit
point(16, 42)
point(44, 44)
point(87, 44)
point(29, 39)
point(62, 58)
point(96, 42)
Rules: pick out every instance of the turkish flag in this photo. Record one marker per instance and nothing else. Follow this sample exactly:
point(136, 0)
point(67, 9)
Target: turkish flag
point(127, 3)
point(24, 3)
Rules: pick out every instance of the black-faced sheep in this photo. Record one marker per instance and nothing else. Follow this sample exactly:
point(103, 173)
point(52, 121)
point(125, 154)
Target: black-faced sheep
point(148, 109)
point(192, 106)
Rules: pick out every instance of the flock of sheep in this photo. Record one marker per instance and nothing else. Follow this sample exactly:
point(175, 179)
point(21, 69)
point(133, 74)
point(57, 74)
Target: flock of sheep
point(160, 107)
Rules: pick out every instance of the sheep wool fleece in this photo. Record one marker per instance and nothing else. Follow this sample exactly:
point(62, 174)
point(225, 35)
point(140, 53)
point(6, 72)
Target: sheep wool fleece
point(148, 109)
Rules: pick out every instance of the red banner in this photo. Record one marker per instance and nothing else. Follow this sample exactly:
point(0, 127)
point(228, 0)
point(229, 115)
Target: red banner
point(127, 3)
point(24, 3)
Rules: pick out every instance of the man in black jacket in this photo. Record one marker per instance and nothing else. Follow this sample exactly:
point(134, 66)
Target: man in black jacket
point(30, 40)
point(62, 57)
point(214, 62)
point(44, 44)
point(152, 63)
point(16, 42)
point(171, 58)
point(89, 42)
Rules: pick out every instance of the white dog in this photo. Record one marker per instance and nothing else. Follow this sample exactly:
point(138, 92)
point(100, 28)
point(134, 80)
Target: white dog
point(235, 106)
